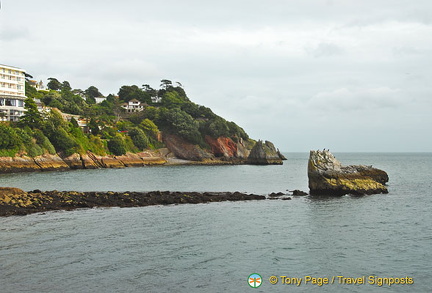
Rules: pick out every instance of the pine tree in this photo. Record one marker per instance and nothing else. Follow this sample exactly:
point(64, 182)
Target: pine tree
point(32, 116)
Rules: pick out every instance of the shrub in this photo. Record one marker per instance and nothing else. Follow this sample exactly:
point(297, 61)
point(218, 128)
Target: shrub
point(9, 138)
point(43, 141)
point(140, 140)
point(63, 142)
point(97, 146)
point(117, 145)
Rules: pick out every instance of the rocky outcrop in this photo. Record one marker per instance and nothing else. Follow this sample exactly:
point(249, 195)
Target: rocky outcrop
point(264, 154)
point(74, 161)
point(327, 176)
point(89, 160)
point(14, 201)
point(16, 164)
point(185, 150)
point(49, 162)
point(224, 147)
point(27, 164)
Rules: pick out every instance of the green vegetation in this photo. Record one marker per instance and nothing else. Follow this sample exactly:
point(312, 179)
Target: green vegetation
point(109, 129)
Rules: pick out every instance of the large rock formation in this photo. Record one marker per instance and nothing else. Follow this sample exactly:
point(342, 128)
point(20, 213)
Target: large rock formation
point(328, 177)
point(224, 147)
point(183, 149)
point(264, 154)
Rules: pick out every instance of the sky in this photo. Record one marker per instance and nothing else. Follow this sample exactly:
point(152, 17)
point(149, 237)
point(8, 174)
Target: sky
point(345, 75)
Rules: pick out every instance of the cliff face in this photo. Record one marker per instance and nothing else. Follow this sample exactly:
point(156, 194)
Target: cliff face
point(264, 154)
point(223, 150)
point(227, 148)
point(328, 176)
point(185, 150)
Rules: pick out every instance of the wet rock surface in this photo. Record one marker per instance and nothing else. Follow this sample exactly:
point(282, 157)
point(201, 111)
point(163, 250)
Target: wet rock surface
point(327, 176)
point(14, 201)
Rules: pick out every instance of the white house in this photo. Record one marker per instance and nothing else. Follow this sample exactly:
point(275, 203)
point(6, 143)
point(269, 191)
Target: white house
point(99, 99)
point(156, 99)
point(134, 106)
point(12, 93)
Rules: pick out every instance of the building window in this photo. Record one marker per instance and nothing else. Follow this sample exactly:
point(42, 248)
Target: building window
point(10, 102)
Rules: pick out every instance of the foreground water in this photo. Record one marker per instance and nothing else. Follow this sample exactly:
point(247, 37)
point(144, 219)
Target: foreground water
point(215, 247)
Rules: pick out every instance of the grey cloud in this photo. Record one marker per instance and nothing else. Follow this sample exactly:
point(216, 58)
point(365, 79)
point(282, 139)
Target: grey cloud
point(349, 99)
point(324, 50)
point(11, 33)
point(284, 70)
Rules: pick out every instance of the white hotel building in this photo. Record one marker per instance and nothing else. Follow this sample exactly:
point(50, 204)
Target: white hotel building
point(12, 93)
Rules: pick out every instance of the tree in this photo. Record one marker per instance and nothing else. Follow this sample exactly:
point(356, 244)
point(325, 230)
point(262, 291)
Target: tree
point(94, 127)
point(8, 137)
point(117, 145)
point(127, 93)
point(54, 84)
point(32, 116)
point(149, 127)
point(148, 89)
point(66, 86)
point(93, 92)
point(181, 123)
point(166, 84)
point(139, 138)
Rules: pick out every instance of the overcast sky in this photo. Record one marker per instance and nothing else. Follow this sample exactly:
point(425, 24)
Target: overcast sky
point(348, 75)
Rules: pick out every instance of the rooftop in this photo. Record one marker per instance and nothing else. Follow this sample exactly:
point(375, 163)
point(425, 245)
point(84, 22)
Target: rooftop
point(11, 67)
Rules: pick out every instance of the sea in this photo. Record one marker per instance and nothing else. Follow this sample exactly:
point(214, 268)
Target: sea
point(374, 243)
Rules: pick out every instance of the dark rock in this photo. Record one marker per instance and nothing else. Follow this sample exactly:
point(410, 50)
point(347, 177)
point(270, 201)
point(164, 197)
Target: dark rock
point(328, 176)
point(279, 194)
point(14, 201)
point(264, 154)
point(299, 192)
point(282, 157)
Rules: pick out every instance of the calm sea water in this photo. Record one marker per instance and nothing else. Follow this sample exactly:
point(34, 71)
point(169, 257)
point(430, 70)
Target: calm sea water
point(215, 247)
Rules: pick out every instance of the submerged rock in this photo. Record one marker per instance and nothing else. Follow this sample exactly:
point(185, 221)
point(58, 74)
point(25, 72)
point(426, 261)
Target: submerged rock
point(328, 176)
point(264, 154)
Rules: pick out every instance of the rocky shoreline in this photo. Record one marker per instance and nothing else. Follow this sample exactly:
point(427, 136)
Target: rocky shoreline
point(178, 153)
point(48, 162)
point(14, 201)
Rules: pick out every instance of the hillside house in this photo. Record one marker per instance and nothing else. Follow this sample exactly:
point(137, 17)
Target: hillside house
point(134, 106)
